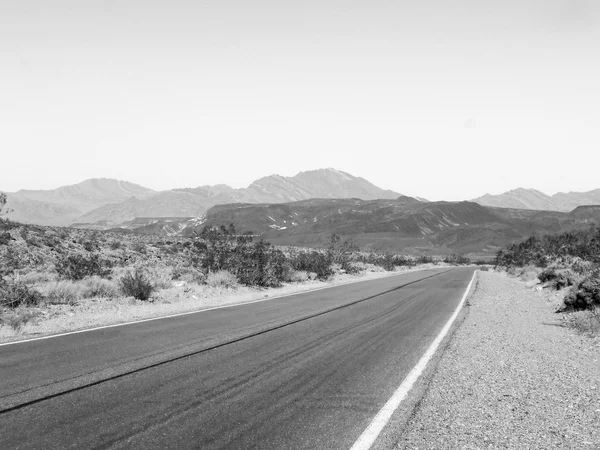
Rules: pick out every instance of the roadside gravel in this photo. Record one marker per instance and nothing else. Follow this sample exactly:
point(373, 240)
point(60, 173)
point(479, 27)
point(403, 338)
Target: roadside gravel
point(512, 377)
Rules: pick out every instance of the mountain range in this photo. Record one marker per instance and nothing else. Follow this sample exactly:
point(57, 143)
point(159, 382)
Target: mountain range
point(305, 209)
point(114, 202)
point(536, 200)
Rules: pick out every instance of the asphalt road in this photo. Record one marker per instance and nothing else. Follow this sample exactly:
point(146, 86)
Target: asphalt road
point(305, 371)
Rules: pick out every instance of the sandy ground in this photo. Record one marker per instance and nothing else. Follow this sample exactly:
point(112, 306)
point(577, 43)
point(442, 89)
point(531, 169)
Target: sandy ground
point(513, 377)
point(181, 298)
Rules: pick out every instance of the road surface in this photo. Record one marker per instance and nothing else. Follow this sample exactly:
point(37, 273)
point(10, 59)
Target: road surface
point(308, 371)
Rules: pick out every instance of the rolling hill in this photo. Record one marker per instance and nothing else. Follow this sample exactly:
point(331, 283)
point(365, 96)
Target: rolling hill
point(403, 225)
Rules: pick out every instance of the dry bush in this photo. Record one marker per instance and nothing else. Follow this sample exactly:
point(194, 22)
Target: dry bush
point(585, 295)
point(136, 285)
point(17, 319)
point(14, 294)
point(188, 274)
point(37, 277)
point(298, 276)
point(529, 273)
point(586, 322)
point(64, 292)
point(559, 278)
point(221, 279)
point(78, 266)
point(100, 287)
point(161, 277)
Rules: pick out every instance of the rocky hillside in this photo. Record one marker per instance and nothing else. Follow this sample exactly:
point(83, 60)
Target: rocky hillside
point(403, 225)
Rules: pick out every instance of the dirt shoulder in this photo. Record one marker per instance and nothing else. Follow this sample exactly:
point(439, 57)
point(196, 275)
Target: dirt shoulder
point(513, 376)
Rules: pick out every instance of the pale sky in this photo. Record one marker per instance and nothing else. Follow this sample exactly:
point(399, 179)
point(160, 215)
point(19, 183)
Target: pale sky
point(440, 99)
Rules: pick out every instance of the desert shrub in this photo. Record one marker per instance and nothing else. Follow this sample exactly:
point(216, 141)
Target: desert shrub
point(580, 266)
point(139, 247)
point(298, 276)
point(188, 274)
point(259, 264)
point(161, 277)
point(529, 273)
point(457, 259)
point(388, 262)
point(541, 251)
point(14, 294)
point(425, 259)
point(115, 245)
point(5, 238)
point(547, 274)
point(559, 278)
point(64, 292)
point(221, 279)
point(352, 268)
point(341, 252)
point(100, 287)
point(89, 245)
point(136, 284)
point(77, 266)
point(585, 295)
point(514, 271)
point(313, 262)
point(586, 321)
point(17, 319)
point(36, 277)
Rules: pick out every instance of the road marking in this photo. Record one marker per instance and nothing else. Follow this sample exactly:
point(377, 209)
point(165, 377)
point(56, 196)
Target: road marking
point(23, 341)
point(370, 435)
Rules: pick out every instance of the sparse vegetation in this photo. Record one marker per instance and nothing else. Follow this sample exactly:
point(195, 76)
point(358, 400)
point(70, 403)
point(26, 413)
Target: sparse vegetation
point(136, 284)
point(17, 319)
point(221, 279)
point(569, 261)
point(78, 266)
point(52, 269)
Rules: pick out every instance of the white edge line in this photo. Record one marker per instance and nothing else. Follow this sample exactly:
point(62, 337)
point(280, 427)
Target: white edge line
point(371, 433)
point(85, 330)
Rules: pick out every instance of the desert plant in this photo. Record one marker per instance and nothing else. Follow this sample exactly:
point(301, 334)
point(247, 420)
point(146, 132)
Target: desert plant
point(14, 294)
point(547, 274)
point(298, 276)
point(17, 319)
point(64, 292)
point(457, 259)
point(136, 284)
point(586, 322)
point(221, 279)
point(314, 262)
point(187, 274)
point(586, 295)
point(100, 287)
point(77, 266)
point(139, 247)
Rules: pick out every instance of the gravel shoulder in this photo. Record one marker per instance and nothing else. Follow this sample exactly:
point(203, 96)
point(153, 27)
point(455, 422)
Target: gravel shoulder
point(513, 376)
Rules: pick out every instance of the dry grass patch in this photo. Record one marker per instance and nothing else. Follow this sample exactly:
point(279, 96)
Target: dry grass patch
point(585, 322)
